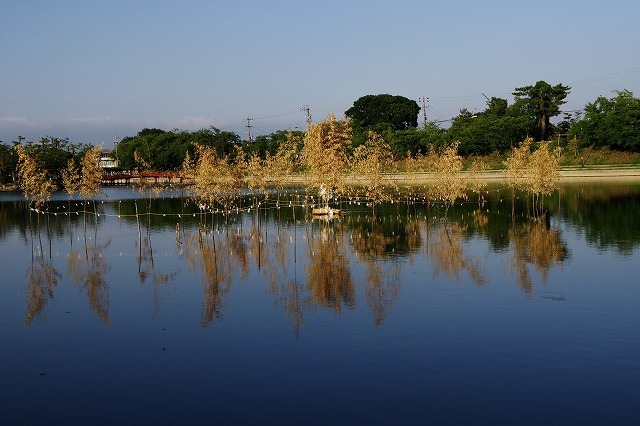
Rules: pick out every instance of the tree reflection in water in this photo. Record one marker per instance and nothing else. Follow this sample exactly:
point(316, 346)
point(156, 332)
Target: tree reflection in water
point(535, 243)
point(41, 278)
point(328, 274)
point(447, 255)
point(275, 256)
point(289, 293)
point(217, 255)
point(382, 286)
point(336, 256)
point(88, 272)
point(147, 266)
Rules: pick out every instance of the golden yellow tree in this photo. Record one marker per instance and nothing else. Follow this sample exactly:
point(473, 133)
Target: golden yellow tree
point(91, 172)
point(516, 169)
point(33, 179)
point(142, 164)
point(188, 168)
point(280, 166)
point(71, 177)
point(218, 180)
point(325, 157)
point(253, 169)
point(544, 173)
point(416, 166)
point(371, 160)
point(188, 172)
point(535, 172)
point(450, 185)
point(517, 164)
point(476, 183)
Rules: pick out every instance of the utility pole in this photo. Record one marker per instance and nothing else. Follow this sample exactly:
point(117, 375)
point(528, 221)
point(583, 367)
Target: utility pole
point(116, 141)
point(306, 109)
point(424, 110)
point(249, 128)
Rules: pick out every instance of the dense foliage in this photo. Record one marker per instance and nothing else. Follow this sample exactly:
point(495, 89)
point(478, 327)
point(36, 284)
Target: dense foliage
point(380, 112)
point(543, 102)
point(613, 123)
point(265, 145)
point(606, 123)
point(162, 150)
point(49, 152)
point(496, 129)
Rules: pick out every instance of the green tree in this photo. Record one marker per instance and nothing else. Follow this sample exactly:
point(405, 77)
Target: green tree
point(8, 162)
point(416, 140)
point(139, 143)
point(53, 153)
point(268, 145)
point(496, 129)
point(163, 150)
point(224, 142)
point(611, 122)
point(497, 107)
point(543, 101)
point(379, 112)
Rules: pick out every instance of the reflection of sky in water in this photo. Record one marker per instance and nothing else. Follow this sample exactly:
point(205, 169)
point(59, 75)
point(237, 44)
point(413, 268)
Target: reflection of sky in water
point(417, 335)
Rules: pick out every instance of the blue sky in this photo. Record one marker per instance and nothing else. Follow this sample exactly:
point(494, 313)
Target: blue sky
point(90, 70)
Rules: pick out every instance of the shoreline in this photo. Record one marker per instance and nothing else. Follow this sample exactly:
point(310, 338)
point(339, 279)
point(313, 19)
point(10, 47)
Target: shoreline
point(568, 174)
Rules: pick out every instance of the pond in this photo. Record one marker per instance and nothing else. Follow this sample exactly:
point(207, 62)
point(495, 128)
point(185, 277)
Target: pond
point(135, 309)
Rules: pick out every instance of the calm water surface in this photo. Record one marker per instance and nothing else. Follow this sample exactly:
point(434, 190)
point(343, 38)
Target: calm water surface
point(489, 316)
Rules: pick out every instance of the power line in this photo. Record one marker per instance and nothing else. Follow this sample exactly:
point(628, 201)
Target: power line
point(606, 76)
point(429, 107)
point(435, 111)
point(275, 116)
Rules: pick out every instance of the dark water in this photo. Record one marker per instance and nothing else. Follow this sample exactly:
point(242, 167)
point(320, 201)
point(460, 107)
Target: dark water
point(492, 315)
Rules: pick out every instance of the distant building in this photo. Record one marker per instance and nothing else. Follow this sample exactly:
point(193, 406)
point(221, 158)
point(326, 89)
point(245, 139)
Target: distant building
point(107, 161)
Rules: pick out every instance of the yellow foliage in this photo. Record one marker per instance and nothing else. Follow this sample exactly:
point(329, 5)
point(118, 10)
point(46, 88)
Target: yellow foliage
point(91, 172)
point(33, 178)
point(279, 166)
point(534, 243)
point(517, 163)
point(71, 177)
point(543, 170)
point(371, 161)
point(450, 184)
point(328, 273)
point(325, 156)
point(218, 180)
point(536, 172)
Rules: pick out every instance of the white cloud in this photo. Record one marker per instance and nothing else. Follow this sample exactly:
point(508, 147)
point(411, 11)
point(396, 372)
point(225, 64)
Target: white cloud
point(10, 119)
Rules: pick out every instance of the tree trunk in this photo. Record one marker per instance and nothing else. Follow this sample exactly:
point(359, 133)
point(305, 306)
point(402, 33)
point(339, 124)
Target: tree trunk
point(544, 126)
